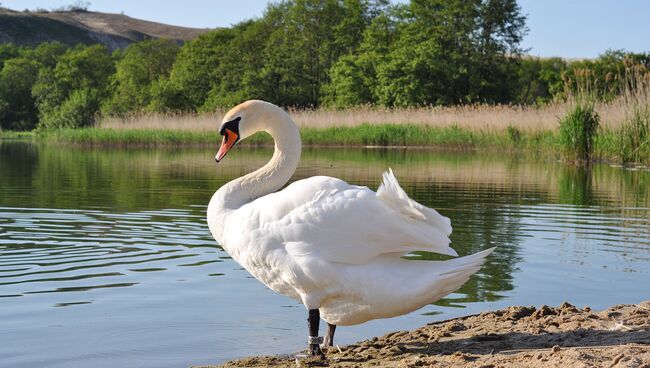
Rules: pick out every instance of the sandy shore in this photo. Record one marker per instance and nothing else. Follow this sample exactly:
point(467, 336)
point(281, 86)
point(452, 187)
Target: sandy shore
point(565, 336)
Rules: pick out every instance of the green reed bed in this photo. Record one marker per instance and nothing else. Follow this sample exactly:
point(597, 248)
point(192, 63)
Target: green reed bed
point(129, 137)
point(399, 135)
point(362, 135)
point(583, 137)
point(607, 144)
point(10, 134)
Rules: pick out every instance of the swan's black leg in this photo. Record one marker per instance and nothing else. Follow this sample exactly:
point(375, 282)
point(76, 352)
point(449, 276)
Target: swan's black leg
point(314, 341)
point(329, 337)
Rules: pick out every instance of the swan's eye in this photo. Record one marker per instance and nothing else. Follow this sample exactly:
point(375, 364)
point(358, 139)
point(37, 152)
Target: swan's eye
point(232, 125)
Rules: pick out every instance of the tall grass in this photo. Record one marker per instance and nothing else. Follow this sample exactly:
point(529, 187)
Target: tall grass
point(635, 131)
point(361, 135)
point(472, 117)
point(626, 141)
point(578, 131)
point(580, 124)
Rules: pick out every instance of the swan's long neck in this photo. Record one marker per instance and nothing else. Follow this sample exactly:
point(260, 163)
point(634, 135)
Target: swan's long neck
point(270, 177)
point(266, 179)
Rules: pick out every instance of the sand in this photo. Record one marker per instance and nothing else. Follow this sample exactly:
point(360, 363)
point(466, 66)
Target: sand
point(565, 336)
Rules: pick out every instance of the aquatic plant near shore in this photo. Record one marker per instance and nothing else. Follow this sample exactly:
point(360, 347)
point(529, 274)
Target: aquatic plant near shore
point(362, 135)
point(579, 126)
point(577, 132)
point(635, 131)
point(606, 144)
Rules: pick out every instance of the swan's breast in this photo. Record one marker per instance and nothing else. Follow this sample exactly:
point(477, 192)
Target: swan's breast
point(257, 250)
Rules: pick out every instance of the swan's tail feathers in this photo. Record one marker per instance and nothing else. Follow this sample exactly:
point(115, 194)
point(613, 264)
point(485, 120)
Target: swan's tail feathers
point(457, 271)
point(392, 194)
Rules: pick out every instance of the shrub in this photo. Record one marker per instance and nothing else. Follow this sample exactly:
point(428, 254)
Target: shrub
point(579, 126)
point(577, 131)
point(79, 110)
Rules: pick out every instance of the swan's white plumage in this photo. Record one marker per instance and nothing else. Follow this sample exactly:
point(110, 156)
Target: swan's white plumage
point(338, 247)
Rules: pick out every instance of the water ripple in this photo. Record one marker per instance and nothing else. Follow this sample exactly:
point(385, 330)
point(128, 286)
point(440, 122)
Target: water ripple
point(69, 247)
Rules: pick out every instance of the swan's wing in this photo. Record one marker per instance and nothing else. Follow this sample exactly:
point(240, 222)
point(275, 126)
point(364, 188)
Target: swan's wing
point(327, 219)
point(392, 193)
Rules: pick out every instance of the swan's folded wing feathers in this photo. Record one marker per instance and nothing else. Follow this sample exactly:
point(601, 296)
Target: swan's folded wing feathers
point(392, 193)
point(351, 224)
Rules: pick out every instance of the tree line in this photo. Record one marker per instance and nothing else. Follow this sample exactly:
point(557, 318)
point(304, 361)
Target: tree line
point(300, 53)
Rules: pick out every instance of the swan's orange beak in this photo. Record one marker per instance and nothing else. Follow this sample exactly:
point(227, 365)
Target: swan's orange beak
point(229, 140)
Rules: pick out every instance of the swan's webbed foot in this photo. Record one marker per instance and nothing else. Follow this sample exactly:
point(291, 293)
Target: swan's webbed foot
point(329, 337)
point(315, 350)
point(314, 340)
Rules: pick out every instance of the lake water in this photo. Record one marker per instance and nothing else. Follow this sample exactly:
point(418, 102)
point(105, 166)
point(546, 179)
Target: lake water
point(106, 259)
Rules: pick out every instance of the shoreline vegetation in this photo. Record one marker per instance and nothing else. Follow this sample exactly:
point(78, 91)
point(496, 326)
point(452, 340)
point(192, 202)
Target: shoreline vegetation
point(514, 337)
point(499, 128)
point(359, 73)
point(606, 145)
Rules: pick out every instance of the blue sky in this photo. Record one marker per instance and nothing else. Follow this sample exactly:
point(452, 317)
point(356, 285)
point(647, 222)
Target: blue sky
point(567, 28)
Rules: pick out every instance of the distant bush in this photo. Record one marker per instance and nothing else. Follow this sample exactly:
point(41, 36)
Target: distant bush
point(79, 110)
point(77, 6)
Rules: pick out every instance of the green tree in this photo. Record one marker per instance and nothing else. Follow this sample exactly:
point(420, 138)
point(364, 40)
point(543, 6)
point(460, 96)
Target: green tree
point(308, 39)
point(139, 67)
point(85, 67)
point(501, 28)
point(17, 109)
point(78, 110)
point(194, 72)
point(8, 51)
point(46, 54)
point(285, 56)
point(539, 80)
point(238, 78)
point(80, 68)
point(353, 78)
point(452, 52)
point(349, 85)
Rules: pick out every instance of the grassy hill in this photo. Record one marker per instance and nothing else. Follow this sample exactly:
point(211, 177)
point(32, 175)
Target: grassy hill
point(87, 27)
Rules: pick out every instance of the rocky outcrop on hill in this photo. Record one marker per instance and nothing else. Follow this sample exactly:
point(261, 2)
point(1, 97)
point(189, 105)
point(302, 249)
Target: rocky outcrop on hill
point(72, 27)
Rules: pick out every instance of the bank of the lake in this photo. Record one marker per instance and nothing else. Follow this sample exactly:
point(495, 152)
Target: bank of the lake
point(566, 336)
point(547, 142)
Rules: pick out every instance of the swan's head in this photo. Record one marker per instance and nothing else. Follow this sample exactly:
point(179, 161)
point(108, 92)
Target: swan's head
point(244, 120)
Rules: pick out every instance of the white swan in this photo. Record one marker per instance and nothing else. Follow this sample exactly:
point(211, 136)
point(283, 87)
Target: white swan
point(335, 247)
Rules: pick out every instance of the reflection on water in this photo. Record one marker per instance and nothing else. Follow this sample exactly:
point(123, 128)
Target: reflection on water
point(106, 260)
